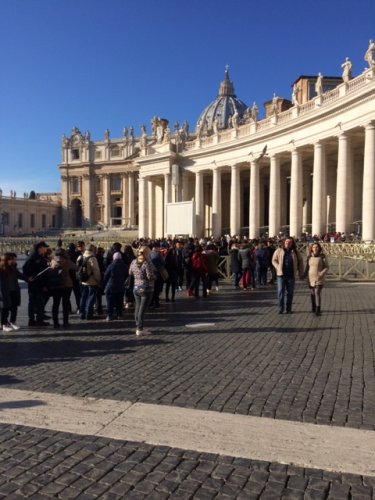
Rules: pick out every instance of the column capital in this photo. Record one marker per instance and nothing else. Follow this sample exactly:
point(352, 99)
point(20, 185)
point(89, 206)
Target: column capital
point(369, 125)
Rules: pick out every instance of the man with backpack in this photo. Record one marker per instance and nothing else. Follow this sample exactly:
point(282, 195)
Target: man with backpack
point(90, 277)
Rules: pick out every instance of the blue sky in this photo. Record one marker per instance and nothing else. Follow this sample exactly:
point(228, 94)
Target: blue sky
point(99, 64)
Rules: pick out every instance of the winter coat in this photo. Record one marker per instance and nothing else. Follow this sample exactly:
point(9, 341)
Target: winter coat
point(171, 263)
point(261, 258)
point(199, 264)
point(34, 265)
point(212, 261)
point(235, 263)
point(316, 269)
point(92, 267)
point(9, 283)
point(67, 266)
point(278, 261)
point(115, 276)
point(246, 258)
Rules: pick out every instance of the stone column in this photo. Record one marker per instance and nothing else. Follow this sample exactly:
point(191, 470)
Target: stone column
point(143, 207)
point(368, 197)
point(107, 199)
point(296, 185)
point(254, 215)
point(65, 201)
point(235, 201)
point(88, 199)
point(306, 212)
point(319, 198)
point(199, 206)
point(131, 198)
point(125, 208)
point(167, 188)
point(216, 203)
point(151, 207)
point(185, 187)
point(343, 188)
point(274, 204)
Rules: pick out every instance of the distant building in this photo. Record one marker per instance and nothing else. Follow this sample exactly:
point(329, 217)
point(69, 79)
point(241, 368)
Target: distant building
point(309, 165)
point(22, 215)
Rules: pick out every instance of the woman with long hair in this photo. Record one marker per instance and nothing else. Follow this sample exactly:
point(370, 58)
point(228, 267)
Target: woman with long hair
point(316, 269)
point(144, 281)
point(10, 291)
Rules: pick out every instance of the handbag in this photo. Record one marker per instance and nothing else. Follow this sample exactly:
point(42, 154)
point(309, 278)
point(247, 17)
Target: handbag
point(164, 273)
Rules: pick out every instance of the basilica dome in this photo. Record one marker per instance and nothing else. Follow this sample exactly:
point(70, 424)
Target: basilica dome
point(222, 108)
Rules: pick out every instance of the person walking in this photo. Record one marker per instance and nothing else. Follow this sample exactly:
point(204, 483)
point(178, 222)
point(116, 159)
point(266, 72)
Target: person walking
point(61, 289)
point(144, 281)
point(114, 286)
point(89, 283)
point(289, 265)
point(10, 291)
point(315, 271)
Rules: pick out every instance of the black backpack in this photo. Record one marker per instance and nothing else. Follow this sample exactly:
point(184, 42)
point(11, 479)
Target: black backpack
point(55, 277)
point(83, 273)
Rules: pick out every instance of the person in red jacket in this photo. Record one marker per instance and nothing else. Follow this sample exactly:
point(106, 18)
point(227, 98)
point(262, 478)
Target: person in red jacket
point(199, 272)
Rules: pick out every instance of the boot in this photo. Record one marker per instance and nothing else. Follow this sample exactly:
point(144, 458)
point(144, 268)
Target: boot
point(318, 312)
point(313, 304)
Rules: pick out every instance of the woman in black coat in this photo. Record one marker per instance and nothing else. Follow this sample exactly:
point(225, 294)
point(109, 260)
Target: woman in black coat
point(235, 264)
point(10, 291)
point(114, 286)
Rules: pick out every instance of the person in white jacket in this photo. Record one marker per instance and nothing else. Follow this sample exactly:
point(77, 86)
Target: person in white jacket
point(90, 284)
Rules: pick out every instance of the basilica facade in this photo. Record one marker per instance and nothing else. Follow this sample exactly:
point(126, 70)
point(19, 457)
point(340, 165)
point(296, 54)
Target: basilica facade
point(307, 166)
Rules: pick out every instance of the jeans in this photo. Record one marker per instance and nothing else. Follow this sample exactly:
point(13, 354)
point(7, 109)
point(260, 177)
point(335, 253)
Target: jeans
point(237, 278)
point(88, 298)
point(141, 305)
point(194, 285)
point(285, 285)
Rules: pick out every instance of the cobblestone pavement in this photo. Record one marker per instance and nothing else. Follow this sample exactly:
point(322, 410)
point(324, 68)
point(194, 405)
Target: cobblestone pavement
point(36, 463)
point(230, 352)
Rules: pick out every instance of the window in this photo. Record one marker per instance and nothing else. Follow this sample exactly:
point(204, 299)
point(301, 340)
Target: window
point(44, 220)
point(32, 220)
point(20, 220)
point(115, 151)
point(75, 154)
point(98, 184)
point(98, 154)
point(116, 183)
point(75, 185)
point(53, 220)
point(5, 218)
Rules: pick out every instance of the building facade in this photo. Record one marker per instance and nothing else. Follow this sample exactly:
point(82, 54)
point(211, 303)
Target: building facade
point(308, 166)
point(25, 215)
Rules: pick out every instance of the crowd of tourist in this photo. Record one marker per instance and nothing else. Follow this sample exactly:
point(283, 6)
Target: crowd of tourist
point(136, 276)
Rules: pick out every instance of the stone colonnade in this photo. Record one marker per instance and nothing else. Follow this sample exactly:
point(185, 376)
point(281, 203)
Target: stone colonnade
point(316, 187)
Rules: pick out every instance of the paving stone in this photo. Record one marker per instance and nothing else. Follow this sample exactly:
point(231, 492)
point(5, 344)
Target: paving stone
point(252, 364)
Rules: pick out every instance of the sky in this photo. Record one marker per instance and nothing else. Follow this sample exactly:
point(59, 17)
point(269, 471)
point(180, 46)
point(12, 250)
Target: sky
point(98, 64)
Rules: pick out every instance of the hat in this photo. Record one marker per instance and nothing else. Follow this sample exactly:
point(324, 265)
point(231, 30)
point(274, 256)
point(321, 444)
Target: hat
point(41, 244)
point(117, 256)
